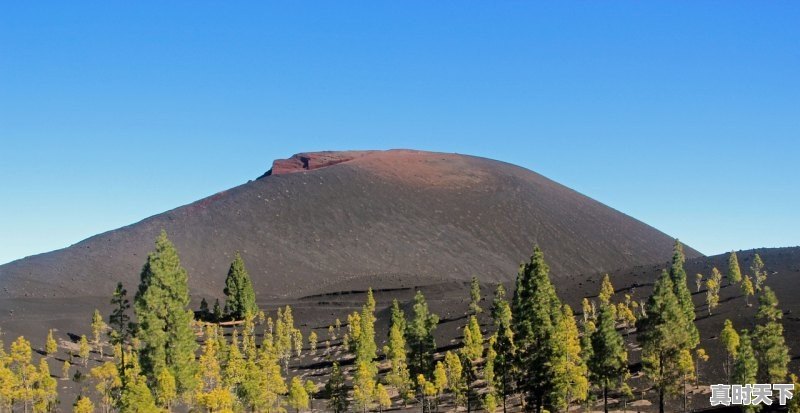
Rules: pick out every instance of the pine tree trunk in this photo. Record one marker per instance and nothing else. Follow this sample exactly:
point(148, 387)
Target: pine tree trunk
point(605, 396)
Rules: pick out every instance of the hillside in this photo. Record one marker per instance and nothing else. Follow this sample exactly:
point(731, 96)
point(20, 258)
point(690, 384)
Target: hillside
point(324, 222)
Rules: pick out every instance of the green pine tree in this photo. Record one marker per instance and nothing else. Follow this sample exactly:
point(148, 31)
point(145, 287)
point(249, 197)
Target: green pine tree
point(504, 362)
point(535, 312)
point(681, 288)
point(419, 336)
point(165, 321)
point(608, 365)
point(336, 390)
point(663, 334)
point(240, 298)
point(769, 344)
point(745, 369)
point(501, 309)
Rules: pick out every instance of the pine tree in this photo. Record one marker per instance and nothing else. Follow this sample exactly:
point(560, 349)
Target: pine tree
point(730, 341)
point(46, 389)
point(768, 341)
point(586, 308)
point(297, 342)
point(84, 350)
point(83, 405)
point(488, 365)
point(211, 393)
point(312, 342)
point(734, 272)
point(311, 389)
point(455, 375)
point(8, 381)
point(473, 340)
point(681, 289)
point(235, 365)
point(135, 396)
point(399, 376)
point(501, 310)
point(745, 369)
point(98, 327)
point(475, 296)
point(121, 326)
point(25, 373)
point(65, 370)
point(426, 390)
point(535, 310)
point(712, 294)
point(490, 402)
point(663, 334)
point(263, 383)
point(419, 336)
point(571, 370)
point(382, 397)
point(336, 390)
point(712, 286)
point(366, 347)
point(701, 356)
point(686, 371)
point(759, 274)
point(240, 298)
point(217, 313)
point(793, 404)
point(298, 397)
point(747, 289)
point(204, 312)
point(440, 379)
point(364, 386)
point(469, 369)
point(165, 322)
point(606, 290)
point(165, 390)
point(503, 363)
point(284, 330)
point(107, 383)
point(608, 365)
point(50, 347)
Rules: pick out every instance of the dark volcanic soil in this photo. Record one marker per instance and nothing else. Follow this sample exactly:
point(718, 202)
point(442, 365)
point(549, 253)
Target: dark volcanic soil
point(323, 222)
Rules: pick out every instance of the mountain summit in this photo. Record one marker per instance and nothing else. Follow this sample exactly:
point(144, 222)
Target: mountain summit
point(331, 221)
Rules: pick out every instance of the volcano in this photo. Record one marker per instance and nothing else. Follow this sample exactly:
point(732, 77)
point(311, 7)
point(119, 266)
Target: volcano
point(323, 222)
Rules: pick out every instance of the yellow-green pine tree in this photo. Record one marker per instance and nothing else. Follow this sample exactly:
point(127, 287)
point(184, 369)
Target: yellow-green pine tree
point(83, 350)
point(83, 405)
point(50, 346)
point(382, 398)
point(298, 397)
point(606, 290)
point(107, 383)
point(166, 391)
point(571, 371)
point(98, 327)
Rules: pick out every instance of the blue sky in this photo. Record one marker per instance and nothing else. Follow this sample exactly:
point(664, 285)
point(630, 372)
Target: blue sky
point(685, 115)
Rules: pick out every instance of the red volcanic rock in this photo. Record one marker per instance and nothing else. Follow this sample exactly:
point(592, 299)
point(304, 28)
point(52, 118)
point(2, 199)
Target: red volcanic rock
point(309, 161)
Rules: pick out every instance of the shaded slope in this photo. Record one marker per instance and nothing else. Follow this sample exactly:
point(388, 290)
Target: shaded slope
point(393, 217)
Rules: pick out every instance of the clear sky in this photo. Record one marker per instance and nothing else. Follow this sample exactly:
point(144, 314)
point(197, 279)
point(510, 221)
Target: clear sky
point(685, 115)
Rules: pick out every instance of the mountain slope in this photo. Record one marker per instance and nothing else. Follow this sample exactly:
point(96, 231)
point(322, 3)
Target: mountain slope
point(331, 221)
